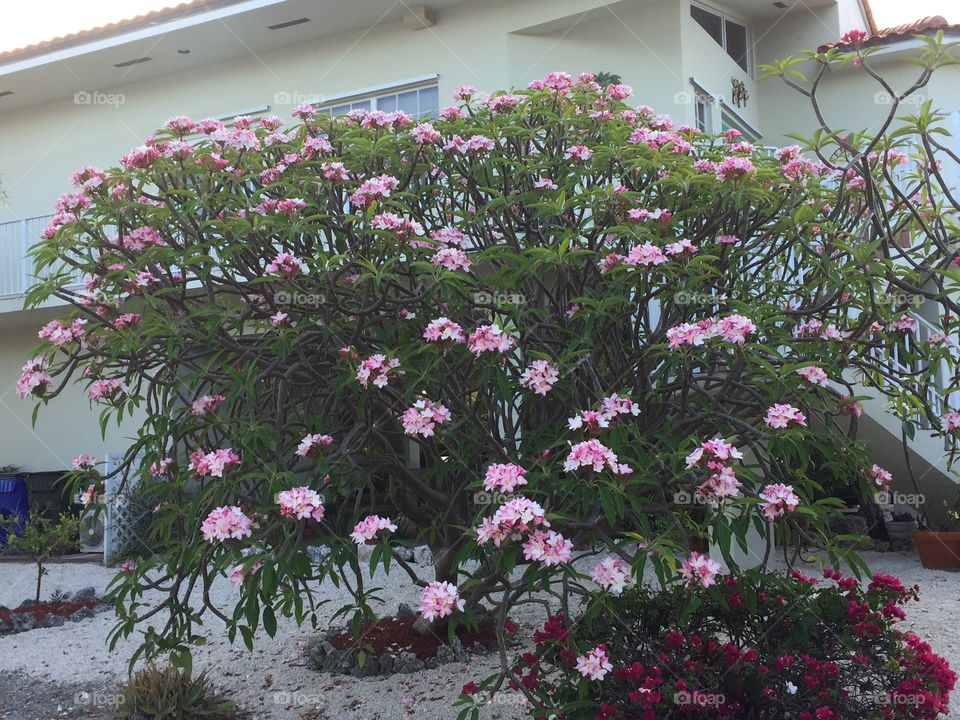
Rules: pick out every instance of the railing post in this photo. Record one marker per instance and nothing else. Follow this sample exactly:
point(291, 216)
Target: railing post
point(24, 251)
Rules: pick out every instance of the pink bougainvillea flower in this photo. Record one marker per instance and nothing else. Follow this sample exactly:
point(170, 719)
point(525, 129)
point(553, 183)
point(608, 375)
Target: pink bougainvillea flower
point(489, 339)
point(595, 664)
point(379, 369)
point(451, 259)
point(300, 503)
point(423, 417)
point(60, 334)
point(369, 527)
point(782, 415)
point(34, 379)
point(439, 600)
point(594, 454)
point(213, 463)
point(285, 265)
point(207, 404)
point(88, 496)
point(444, 329)
point(107, 389)
point(548, 547)
point(312, 445)
point(778, 500)
point(700, 569)
point(539, 376)
point(504, 477)
point(881, 477)
point(814, 375)
point(226, 522)
point(237, 574)
point(84, 462)
point(613, 575)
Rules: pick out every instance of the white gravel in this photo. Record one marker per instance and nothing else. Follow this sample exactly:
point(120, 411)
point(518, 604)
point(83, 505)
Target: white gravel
point(272, 681)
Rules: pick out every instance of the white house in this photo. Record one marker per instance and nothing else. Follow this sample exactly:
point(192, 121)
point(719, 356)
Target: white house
point(89, 97)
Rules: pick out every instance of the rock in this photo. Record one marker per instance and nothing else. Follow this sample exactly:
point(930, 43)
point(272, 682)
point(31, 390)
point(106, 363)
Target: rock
point(23, 622)
point(460, 653)
point(29, 602)
point(407, 662)
point(386, 664)
point(404, 553)
point(81, 614)
point(371, 666)
point(87, 593)
point(66, 596)
point(5, 627)
point(332, 660)
point(422, 555)
point(102, 608)
point(404, 610)
point(445, 654)
point(317, 553)
point(52, 621)
point(432, 664)
point(881, 546)
point(422, 627)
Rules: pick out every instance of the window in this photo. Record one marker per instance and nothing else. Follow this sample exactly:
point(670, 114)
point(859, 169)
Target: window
point(419, 102)
point(702, 113)
point(728, 33)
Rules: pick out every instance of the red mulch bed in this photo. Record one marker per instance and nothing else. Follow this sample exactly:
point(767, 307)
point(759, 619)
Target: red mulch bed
point(393, 635)
point(42, 609)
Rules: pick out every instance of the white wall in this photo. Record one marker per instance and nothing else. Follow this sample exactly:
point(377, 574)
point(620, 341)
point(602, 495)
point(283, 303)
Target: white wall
point(66, 427)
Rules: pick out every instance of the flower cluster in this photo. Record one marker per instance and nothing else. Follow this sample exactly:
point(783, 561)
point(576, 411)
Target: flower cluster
point(213, 463)
point(300, 503)
point(423, 418)
point(226, 522)
point(378, 369)
point(440, 600)
point(368, 528)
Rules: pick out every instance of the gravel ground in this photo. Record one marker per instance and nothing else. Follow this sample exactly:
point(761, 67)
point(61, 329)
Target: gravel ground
point(67, 672)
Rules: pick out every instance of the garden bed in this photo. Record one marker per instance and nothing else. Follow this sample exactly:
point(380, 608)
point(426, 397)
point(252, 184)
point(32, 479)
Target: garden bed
point(49, 613)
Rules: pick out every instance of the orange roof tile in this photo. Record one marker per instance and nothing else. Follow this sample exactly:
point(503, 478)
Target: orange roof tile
point(924, 26)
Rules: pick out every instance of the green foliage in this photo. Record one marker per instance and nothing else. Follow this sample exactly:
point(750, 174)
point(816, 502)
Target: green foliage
point(170, 693)
point(42, 539)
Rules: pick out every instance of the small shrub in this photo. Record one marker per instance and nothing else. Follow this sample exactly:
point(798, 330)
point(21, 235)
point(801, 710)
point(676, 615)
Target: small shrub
point(762, 646)
point(172, 694)
point(42, 539)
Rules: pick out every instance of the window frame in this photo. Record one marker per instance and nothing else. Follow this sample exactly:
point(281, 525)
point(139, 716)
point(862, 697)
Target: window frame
point(724, 18)
point(372, 95)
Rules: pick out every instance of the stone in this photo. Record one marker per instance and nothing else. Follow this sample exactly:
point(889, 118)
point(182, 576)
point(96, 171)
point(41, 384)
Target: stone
point(404, 553)
point(105, 608)
point(332, 660)
point(29, 602)
point(423, 555)
point(407, 662)
point(87, 593)
point(5, 627)
point(52, 621)
point(432, 664)
point(386, 664)
point(445, 654)
point(66, 596)
point(460, 653)
point(422, 627)
point(81, 614)
point(23, 622)
point(404, 610)
point(371, 666)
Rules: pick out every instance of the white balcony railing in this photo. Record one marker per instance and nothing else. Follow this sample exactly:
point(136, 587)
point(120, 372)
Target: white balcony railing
point(16, 267)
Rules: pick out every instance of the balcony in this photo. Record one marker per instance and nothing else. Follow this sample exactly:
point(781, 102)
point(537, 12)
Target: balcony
point(16, 265)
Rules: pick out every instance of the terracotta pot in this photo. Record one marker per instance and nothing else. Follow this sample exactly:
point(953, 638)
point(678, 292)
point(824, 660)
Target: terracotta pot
point(938, 550)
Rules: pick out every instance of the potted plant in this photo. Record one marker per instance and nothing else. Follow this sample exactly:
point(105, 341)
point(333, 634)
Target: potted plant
point(939, 548)
point(901, 526)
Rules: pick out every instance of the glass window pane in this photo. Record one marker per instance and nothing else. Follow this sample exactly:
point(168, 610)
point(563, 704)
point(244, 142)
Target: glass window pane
point(711, 22)
point(339, 109)
point(429, 102)
point(387, 103)
point(362, 105)
point(407, 102)
point(737, 43)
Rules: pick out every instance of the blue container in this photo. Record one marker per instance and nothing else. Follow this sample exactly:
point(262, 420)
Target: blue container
point(13, 502)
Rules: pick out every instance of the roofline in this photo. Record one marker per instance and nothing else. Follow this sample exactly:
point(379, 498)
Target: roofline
point(184, 14)
point(868, 13)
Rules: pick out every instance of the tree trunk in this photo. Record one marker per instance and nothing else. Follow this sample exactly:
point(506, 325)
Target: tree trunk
point(39, 578)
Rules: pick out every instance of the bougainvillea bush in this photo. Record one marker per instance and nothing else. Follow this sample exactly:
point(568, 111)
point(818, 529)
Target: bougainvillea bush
point(546, 325)
point(760, 645)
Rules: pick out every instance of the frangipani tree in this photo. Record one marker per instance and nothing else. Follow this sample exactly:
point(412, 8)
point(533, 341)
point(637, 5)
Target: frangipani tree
point(544, 325)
